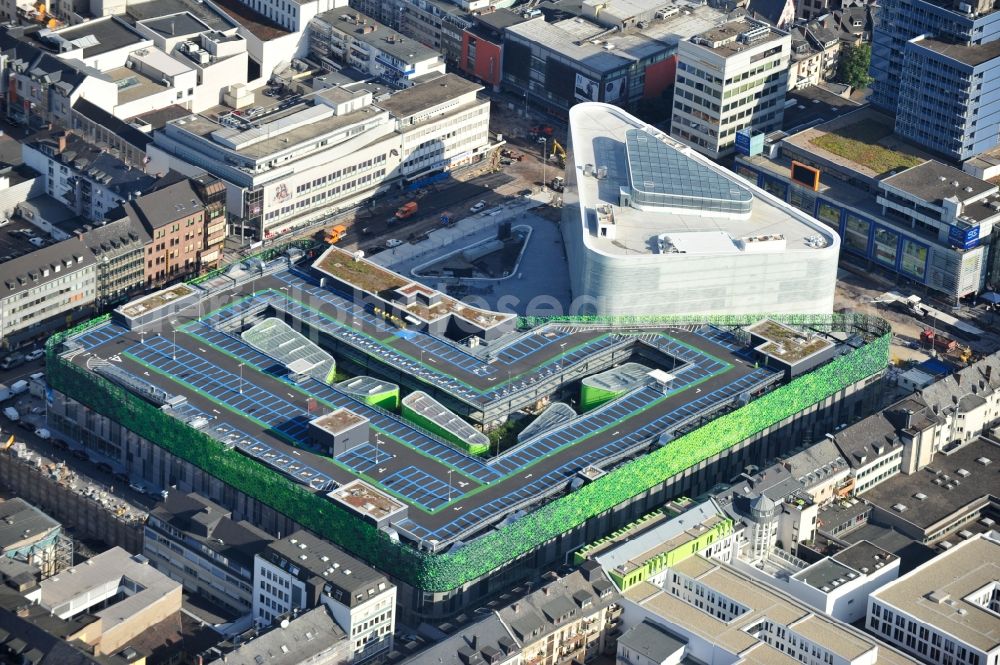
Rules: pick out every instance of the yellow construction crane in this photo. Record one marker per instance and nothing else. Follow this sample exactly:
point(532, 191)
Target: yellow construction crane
point(559, 153)
point(8, 444)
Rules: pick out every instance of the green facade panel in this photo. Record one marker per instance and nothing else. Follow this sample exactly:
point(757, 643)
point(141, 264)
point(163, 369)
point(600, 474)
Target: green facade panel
point(447, 571)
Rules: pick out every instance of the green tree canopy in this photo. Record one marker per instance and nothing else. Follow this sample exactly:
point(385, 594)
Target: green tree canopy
point(854, 64)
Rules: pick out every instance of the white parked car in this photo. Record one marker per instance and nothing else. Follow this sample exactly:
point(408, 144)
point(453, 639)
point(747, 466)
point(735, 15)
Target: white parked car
point(34, 355)
point(393, 242)
point(43, 434)
point(12, 414)
point(478, 206)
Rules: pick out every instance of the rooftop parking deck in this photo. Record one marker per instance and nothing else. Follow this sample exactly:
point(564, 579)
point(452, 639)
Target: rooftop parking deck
point(253, 403)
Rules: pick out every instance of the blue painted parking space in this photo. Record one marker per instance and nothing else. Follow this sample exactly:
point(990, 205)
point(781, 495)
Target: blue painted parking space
point(365, 458)
point(100, 335)
point(420, 487)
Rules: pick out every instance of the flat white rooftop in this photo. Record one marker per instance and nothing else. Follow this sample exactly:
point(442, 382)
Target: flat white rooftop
point(690, 205)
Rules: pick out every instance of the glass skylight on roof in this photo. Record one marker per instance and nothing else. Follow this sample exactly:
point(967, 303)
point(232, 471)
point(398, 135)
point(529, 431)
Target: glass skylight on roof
point(661, 176)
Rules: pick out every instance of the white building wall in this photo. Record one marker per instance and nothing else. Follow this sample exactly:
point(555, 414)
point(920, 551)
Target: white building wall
point(929, 643)
point(216, 77)
point(13, 195)
point(369, 625)
point(25, 309)
point(448, 141)
point(795, 281)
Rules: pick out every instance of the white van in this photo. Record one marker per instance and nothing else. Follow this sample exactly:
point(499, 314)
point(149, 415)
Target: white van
point(12, 414)
point(19, 387)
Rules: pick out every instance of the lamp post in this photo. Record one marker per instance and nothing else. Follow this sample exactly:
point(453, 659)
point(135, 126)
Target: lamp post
point(288, 300)
point(545, 160)
point(449, 485)
point(173, 333)
point(562, 355)
point(378, 440)
point(241, 378)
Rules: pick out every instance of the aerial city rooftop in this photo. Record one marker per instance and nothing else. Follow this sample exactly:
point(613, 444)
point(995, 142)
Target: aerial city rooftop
point(455, 332)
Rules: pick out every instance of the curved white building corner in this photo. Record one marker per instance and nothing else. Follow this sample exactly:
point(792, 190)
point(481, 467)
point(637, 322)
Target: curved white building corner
point(652, 227)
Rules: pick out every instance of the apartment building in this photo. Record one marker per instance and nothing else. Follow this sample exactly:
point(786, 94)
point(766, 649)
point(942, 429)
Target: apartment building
point(945, 611)
point(122, 590)
point(575, 617)
point(31, 631)
point(30, 536)
point(174, 218)
point(346, 37)
point(292, 166)
point(437, 24)
point(211, 192)
point(196, 542)
point(119, 249)
point(488, 639)
point(303, 572)
point(90, 181)
point(730, 78)
point(45, 290)
point(309, 638)
point(815, 52)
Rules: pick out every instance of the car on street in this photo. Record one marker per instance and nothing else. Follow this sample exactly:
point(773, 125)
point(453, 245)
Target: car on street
point(13, 360)
point(159, 495)
point(11, 414)
point(136, 487)
point(525, 192)
point(393, 242)
point(32, 356)
point(80, 454)
point(479, 205)
point(43, 434)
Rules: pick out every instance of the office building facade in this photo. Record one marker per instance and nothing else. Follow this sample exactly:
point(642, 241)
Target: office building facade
point(931, 67)
point(730, 78)
point(945, 611)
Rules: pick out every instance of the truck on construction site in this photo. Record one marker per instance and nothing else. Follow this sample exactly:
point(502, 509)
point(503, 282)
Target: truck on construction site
point(540, 131)
point(937, 341)
point(335, 234)
point(914, 307)
point(405, 211)
point(558, 183)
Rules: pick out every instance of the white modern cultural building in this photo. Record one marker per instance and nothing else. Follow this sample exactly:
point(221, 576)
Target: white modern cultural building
point(652, 227)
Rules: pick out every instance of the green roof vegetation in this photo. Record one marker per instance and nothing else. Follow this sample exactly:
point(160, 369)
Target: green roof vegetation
point(859, 143)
